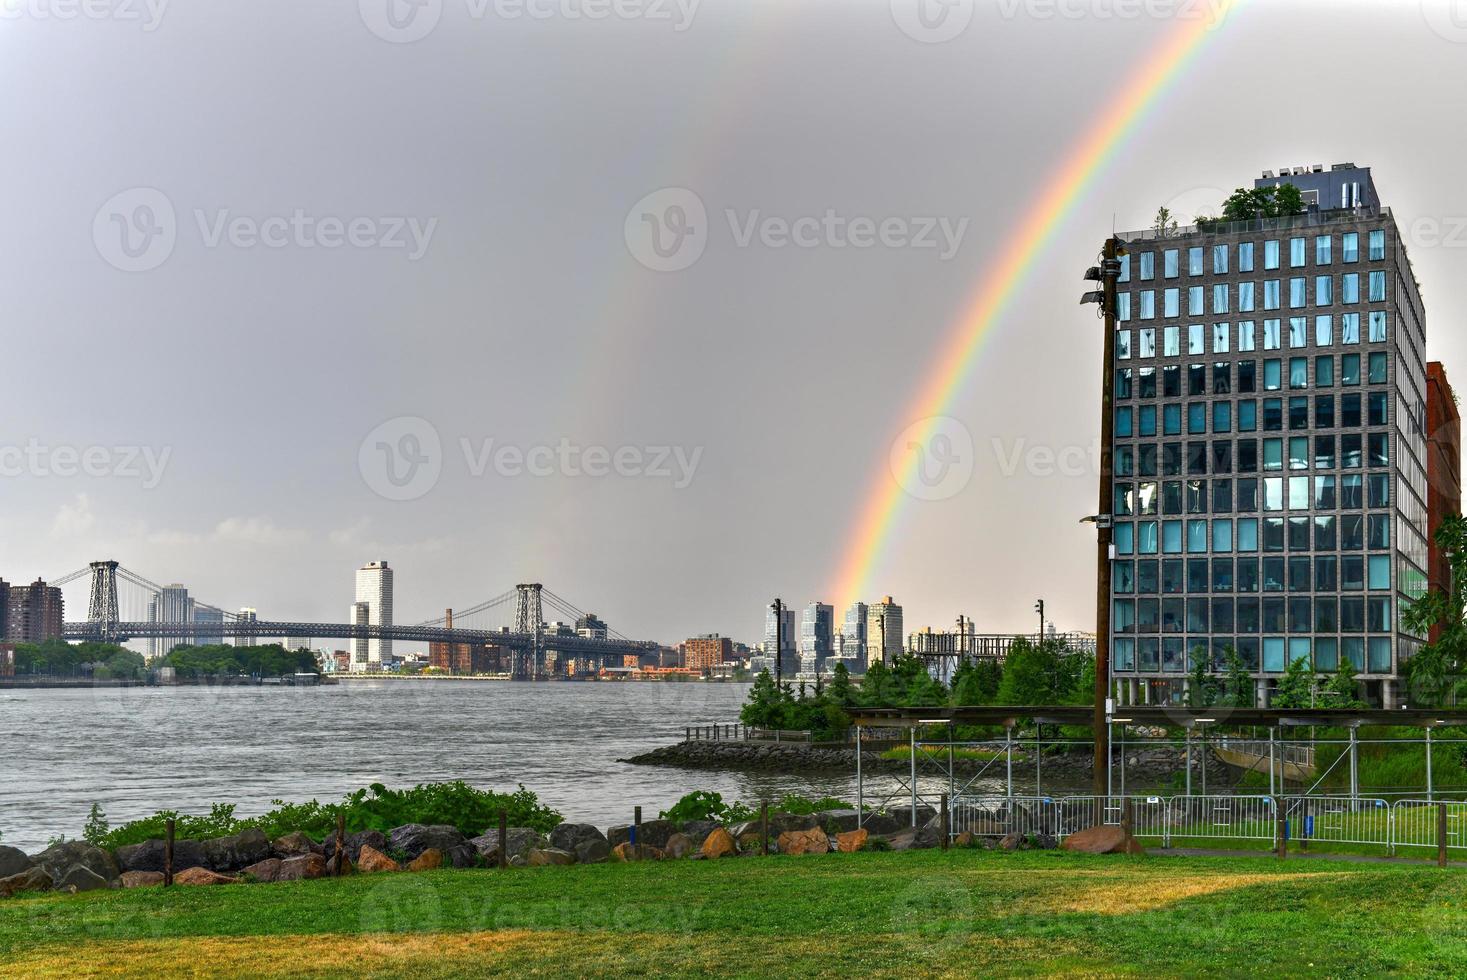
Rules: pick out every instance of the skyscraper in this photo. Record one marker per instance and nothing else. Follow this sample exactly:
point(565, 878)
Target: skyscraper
point(1269, 447)
point(373, 607)
point(884, 634)
point(34, 613)
point(786, 651)
point(246, 615)
point(171, 604)
point(816, 634)
point(853, 637)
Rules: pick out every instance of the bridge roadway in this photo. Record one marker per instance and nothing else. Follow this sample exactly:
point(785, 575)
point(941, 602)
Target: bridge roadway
point(519, 642)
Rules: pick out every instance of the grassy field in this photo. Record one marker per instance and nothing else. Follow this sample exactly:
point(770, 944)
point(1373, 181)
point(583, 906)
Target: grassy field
point(873, 914)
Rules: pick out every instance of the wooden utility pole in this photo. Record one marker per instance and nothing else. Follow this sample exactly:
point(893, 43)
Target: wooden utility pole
point(1110, 271)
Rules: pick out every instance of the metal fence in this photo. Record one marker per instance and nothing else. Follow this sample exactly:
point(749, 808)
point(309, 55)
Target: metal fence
point(1215, 821)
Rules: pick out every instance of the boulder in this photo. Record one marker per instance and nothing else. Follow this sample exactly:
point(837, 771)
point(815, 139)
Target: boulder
point(780, 823)
point(1103, 839)
point(719, 843)
point(80, 879)
point(654, 833)
point(1010, 842)
point(841, 820)
point(520, 840)
point(679, 845)
point(266, 870)
point(884, 824)
point(429, 860)
point(371, 860)
point(851, 841)
point(544, 857)
point(148, 856)
point(32, 879)
point(58, 860)
point(302, 866)
point(911, 839)
point(13, 861)
point(415, 838)
point(804, 842)
point(697, 831)
point(202, 876)
point(354, 843)
point(1045, 842)
point(586, 842)
point(641, 852)
point(237, 851)
point(332, 863)
point(294, 844)
point(141, 879)
point(753, 842)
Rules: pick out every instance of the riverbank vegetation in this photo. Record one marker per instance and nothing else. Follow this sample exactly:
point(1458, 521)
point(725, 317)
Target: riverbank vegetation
point(374, 808)
point(866, 914)
point(1034, 673)
point(110, 661)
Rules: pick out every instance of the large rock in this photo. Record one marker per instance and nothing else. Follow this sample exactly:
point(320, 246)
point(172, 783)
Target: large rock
point(371, 860)
point(812, 841)
point(13, 861)
point(1103, 839)
point(32, 879)
point(697, 831)
point(545, 857)
point(266, 870)
point(58, 860)
point(237, 851)
point(851, 841)
point(302, 866)
point(625, 851)
point(654, 833)
point(779, 823)
point(141, 879)
point(413, 839)
point(719, 843)
point(294, 844)
point(841, 820)
point(354, 844)
point(202, 876)
point(586, 842)
point(679, 845)
point(429, 860)
point(520, 840)
point(148, 856)
point(885, 824)
point(81, 879)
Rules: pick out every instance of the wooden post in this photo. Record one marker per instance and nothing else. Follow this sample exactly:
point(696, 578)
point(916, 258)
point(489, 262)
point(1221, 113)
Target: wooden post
point(1441, 835)
point(1282, 833)
point(636, 831)
point(340, 844)
point(946, 829)
point(168, 852)
point(1126, 815)
point(764, 829)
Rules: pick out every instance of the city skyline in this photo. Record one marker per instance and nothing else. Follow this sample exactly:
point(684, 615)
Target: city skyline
point(257, 494)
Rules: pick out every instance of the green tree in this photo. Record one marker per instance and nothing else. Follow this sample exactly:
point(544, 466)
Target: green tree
point(1202, 691)
point(1341, 690)
point(1164, 223)
point(1239, 689)
point(1296, 686)
point(976, 682)
point(1435, 671)
point(841, 690)
point(1245, 204)
point(1047, 672)
point(764, 707)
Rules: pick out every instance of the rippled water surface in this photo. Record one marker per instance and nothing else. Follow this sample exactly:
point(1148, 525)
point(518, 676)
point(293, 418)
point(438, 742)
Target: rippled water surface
point(138, 750)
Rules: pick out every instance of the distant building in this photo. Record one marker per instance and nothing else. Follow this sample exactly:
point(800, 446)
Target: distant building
point(852, 646)
point(816, 637)
point(466, 658)
point(33, 613)
point(7, 659)
point(169, 606)
point(784, 629)
point(246, 615)
point(209, 615)
point(883, 631)
point(373, 607)
point(1443, 472)
point(591, 628)
point(704, 653)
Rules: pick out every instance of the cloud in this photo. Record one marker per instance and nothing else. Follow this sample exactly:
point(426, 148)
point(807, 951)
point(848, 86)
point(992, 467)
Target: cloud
point(75, 518)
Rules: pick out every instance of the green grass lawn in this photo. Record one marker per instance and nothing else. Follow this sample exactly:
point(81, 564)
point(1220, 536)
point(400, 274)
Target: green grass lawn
point(960, 912)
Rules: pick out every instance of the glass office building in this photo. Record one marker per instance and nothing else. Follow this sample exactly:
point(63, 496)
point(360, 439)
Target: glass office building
point(1269, 452)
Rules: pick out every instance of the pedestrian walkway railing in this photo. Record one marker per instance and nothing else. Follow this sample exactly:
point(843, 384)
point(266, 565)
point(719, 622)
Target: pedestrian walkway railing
point(1218, 821)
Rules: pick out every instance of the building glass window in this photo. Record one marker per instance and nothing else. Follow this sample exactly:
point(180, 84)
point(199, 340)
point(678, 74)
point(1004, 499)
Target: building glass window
point(1271, 294)
point(1324, 330)
point(1148, 265)
point(1271, 337)
point(1196, 343)
point(1377, 286)
point(1298, 292)
point(1194, 261)
point(1245, 256)
point(1148, 304)
point(1298, 332)
point(1245, 335)
point(1219, 259)
point(1296, 252)
point(1147, 338)
point(1324, 290)
point(1146, 421)
point(1377, 245)
point(1171, 302)
point(1222, 417)
point(1271, 255)
point(1194, 301)
point(1271, 374)
point(1245, 297)
point(1170, 264)
point(1220, 298)
point(1171, 420)
point(1377, 326)
point(1321, 250)
point(1247, 415)
point(1220, 338)
point(1377, 368)
point(1350, 247)
point(1298, 372)
point(1350, 288)
point(1324, 452)
point(1324, 371)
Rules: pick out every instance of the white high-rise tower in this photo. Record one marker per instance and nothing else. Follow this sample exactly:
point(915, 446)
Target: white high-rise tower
point(373, 607)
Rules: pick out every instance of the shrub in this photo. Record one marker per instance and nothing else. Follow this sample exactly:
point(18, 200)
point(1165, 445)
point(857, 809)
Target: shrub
point(704, 805)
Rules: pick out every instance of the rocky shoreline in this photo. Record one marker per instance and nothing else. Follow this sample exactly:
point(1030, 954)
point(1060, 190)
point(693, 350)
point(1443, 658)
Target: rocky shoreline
point(1149, 765)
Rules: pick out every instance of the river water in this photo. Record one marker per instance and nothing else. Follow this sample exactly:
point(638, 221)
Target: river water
point(139, 750)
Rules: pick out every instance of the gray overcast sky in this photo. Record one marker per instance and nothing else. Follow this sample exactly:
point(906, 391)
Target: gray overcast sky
point(528, 310)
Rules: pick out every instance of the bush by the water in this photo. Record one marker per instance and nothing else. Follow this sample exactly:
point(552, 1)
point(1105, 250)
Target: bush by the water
point(704, 805)
point(458, 804)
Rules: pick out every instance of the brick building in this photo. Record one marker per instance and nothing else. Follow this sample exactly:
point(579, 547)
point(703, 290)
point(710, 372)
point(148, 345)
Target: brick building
point(33, 613)
point(703, 653)
point(1443, 469)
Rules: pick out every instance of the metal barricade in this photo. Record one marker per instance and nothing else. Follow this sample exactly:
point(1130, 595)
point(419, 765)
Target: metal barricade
point(1000, 816)
point(1338, 819)
point(1202, 821)
point(1414, 823)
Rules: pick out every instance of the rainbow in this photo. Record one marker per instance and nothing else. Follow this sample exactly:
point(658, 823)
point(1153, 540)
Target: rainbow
point(997, 291)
